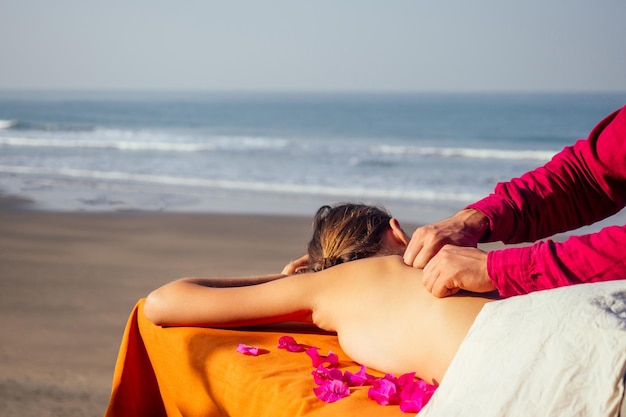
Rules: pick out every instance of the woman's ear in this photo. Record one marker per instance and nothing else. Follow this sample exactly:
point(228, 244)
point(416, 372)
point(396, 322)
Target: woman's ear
point(398, 233)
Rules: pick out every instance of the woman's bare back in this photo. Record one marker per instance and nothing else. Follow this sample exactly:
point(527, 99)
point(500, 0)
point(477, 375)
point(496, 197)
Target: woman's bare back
point(386, 320)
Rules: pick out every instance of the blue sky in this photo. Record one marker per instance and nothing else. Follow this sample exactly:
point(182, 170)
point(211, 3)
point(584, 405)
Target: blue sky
point(455, 45)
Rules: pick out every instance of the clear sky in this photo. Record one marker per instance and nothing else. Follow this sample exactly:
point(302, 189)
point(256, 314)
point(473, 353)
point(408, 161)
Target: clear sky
point(321, 45)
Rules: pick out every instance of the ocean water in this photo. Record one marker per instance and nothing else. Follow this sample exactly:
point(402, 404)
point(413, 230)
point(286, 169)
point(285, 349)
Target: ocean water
point(423, 156)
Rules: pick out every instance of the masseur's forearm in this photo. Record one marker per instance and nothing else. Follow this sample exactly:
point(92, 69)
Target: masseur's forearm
point(581, 185)
point(549, 264)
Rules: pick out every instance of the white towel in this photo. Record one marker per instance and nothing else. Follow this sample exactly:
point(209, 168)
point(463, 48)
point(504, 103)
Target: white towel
point(560, 352)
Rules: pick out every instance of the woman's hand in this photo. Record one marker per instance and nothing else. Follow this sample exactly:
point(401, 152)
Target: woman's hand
point(456, 268)
point(465, 228)
point(294, 266)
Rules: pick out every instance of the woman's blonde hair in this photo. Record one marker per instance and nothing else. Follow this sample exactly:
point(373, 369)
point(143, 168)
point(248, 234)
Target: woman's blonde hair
point(346, 232)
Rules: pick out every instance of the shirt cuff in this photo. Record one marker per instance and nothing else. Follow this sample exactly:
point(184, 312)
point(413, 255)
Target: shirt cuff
point(500, 217)
point(510, 270)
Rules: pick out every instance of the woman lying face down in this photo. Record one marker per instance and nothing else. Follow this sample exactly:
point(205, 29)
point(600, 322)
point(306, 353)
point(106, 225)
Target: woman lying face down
point(384, 318)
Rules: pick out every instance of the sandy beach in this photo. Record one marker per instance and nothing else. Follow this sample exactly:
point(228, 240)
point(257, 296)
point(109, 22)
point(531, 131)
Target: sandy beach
point(68, 282)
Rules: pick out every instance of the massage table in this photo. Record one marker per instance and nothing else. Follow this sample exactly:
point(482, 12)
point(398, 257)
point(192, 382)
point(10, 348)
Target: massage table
point(195, 371)
point(560, 353)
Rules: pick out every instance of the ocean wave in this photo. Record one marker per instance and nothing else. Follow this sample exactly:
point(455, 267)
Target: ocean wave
point(159, 141)
point(7, 124)
point(471, 153)
point(232, 143)
point(360, 192)
point(44, 126)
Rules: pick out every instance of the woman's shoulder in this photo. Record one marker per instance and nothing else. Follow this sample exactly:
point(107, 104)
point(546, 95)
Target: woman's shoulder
point(395, 262)
point(374, 267)
point(383, 261)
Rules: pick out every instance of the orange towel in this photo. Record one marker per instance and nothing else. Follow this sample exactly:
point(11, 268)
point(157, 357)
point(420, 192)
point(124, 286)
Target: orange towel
point(192, 371)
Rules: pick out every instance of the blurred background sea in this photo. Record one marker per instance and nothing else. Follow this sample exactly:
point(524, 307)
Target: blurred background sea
point(423, 156)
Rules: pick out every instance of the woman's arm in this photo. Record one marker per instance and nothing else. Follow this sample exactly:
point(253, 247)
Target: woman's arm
point(197, 302)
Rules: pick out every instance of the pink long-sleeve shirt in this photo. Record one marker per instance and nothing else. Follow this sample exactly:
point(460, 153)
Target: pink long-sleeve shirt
point(581, 185)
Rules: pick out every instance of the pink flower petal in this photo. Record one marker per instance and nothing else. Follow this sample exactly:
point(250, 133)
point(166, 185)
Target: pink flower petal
point(332, 358)
point(405, 379)
point(415, 396)
point(384, 392)
point(359, 379)
point(248, 350)
point(317, 359)
point(332, 390)
point(289, 343)
point(322, 374)
point(391, 377)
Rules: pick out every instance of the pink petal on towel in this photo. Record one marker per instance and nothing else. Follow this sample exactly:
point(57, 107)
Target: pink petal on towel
point(332, 358)
point(384, 391)
point(359, 379)
point(248, 350)
point(321, 374)
point(289, 343)
point(405, 379)
point(317, 359)
point(415, 395)
point(332, 390)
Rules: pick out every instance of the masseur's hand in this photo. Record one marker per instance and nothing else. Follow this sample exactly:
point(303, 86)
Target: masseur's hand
point(294, 266)
point(465, 228)
point(455, 268)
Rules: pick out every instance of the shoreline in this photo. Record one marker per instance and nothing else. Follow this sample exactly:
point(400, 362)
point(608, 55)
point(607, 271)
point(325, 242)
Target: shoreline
point(15, 203)
point(168, 199)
